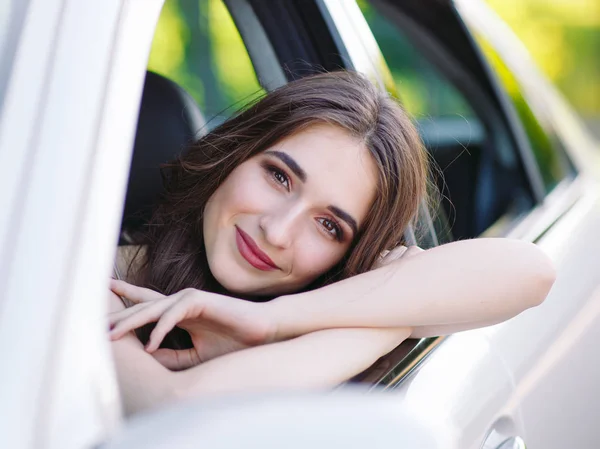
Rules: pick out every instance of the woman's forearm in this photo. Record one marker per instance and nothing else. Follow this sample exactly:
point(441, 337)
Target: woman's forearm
point(452, 286)
point(142, 380)
point(322, 359)
point(144, 383)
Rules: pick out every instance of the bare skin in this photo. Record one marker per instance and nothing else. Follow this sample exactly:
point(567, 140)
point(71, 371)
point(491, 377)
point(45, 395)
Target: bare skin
point(318, 339)
point(280, 220)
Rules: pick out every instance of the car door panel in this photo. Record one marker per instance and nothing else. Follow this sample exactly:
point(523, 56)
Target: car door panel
point(460, 390)
point(551, 350)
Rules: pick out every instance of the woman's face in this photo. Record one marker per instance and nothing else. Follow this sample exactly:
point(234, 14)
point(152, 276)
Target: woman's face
point(288, 215)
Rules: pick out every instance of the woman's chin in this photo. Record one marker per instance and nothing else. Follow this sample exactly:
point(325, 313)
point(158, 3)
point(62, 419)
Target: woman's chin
point(253, 290)
point(244, 287)
point(241, 282)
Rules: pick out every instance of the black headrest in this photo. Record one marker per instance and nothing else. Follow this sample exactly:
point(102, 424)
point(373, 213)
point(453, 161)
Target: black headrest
point(169, 119)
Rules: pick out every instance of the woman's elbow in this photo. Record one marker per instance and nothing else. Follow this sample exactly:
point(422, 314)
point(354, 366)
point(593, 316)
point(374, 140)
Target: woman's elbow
point(541, 275)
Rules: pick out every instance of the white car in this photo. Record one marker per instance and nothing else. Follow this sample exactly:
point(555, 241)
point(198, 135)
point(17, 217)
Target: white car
point(517, 162)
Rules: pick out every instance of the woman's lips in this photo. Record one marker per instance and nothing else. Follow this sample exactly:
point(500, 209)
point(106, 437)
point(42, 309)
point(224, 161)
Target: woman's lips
point(252, 253)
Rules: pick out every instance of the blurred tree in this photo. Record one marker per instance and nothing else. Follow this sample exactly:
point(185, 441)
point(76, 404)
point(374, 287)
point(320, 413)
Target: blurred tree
point(563, 38)
point(197, 45)
point(419, 86)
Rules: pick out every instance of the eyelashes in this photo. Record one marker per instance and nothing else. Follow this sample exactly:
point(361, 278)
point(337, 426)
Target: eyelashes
point(279, 176)
point(333, 225)
point(330, 226)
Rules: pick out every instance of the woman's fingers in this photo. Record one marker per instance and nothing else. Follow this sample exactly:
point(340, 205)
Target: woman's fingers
point(389, 256)
point(168, 320)
point(399, 252)
point(396, 253)
point(138, 316)
point(177, 360)
point(134, 293)
point(412, 251)
point(115, 317)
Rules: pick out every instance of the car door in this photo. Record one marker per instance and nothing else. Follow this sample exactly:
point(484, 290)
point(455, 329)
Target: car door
point(551, 353)
point(68, 114)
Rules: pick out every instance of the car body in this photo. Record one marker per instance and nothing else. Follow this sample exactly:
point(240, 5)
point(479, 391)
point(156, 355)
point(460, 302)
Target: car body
point(71, 81)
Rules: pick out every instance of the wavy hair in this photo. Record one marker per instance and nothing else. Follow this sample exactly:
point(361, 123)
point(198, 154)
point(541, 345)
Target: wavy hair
point(174, 257)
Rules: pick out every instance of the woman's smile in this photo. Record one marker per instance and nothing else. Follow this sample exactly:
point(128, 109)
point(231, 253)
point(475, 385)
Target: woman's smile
point(252, 253)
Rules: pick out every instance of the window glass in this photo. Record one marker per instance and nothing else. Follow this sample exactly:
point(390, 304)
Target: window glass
point(478, 185)
point(197, 45)
point(547, 148)
point(422, 90)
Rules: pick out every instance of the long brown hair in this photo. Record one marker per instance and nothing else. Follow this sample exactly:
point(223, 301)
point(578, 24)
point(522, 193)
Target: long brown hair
point(174, 258)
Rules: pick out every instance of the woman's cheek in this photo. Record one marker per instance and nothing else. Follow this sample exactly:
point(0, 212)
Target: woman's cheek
point(316, 258)
point(247, 197)
point(255, 192)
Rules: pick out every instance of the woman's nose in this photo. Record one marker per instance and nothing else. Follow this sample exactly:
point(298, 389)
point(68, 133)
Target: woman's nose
point(279, 226)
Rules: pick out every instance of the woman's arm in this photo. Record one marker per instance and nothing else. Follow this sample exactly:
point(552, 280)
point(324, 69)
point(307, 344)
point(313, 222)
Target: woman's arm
point(321, 359)
point(137, 370)
point(318, 360)
point(447, 329)
point(445, 289)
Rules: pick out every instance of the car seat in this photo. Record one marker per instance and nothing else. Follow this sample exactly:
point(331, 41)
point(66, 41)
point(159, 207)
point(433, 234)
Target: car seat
point(169, 119)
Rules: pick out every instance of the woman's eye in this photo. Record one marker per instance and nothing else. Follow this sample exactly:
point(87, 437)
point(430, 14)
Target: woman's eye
point(280, 177)
point(332, 228)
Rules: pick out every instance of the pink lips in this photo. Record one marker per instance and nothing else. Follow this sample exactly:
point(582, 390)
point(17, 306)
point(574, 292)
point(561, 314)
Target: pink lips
point(252, 253)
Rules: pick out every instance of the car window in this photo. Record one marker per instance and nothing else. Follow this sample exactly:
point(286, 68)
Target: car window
point(478, 183)
point(422, 90)
point(197, 45)
point(525, 87)
point(547, 148)
point(199, 74)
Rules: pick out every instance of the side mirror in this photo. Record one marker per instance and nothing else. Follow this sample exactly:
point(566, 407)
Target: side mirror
point(348, 419)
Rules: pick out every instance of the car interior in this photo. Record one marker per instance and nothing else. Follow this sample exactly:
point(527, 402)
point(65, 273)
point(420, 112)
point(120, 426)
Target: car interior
point(169, 118)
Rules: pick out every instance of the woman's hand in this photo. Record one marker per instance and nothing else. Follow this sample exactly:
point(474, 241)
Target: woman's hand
point(399, 252)
point(217, 324)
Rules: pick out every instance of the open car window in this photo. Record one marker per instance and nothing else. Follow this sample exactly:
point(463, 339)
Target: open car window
point(518, 77)
point(476, 170)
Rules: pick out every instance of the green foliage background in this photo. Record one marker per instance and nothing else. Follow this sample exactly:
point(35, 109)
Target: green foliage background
point(563, 37)
point(197, 45)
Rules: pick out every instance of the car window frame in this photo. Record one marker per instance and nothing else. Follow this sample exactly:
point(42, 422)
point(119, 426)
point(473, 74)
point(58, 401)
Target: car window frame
point(17, 12)
point(74, 164)
point(484, 97)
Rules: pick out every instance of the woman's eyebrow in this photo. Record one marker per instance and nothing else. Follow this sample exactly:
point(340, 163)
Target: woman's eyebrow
point(346, 217)
point(290, 162)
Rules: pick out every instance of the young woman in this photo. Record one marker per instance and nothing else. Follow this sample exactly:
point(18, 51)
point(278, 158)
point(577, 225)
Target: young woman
point(298, 204)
